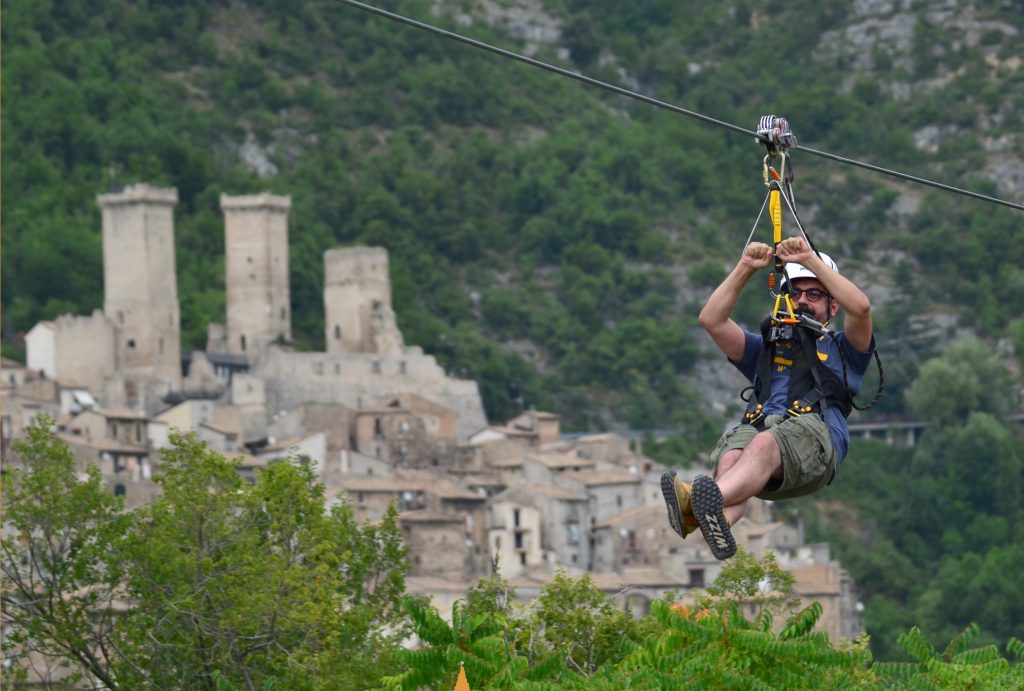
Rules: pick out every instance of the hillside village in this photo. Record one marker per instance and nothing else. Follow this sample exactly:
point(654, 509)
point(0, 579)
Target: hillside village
point(379, 420)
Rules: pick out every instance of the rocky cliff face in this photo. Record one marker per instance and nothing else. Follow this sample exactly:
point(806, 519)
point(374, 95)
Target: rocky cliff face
point(918, 50)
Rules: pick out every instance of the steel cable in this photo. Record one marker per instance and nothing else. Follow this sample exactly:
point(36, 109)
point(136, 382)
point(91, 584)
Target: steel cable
point(667, 106)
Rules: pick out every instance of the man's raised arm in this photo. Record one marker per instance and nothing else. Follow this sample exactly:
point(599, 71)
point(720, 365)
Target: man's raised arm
point(716, 317)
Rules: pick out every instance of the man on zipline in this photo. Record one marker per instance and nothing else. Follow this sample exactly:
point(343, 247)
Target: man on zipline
point(794, 435)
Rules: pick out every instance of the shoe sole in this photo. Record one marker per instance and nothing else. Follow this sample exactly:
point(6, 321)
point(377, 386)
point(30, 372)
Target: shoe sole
point(708, 508)
point(672, 502)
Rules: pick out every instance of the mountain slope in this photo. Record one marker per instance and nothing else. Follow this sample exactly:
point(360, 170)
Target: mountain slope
point(548, 239)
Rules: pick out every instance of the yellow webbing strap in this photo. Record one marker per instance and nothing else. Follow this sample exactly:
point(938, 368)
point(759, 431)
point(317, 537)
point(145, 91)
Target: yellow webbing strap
point(775, 209)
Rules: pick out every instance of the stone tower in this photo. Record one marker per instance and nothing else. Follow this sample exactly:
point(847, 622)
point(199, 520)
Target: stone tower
point(256, 249)
point(141, 288)
point(357, 302)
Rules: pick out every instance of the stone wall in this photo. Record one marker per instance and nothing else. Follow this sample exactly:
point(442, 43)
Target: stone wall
point(85, 348)
point(249, 396)
point(359, 381)
point(436, 542)
point(41, 349)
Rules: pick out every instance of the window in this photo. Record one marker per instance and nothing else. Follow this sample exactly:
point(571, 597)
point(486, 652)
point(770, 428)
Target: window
point(696, 578)
point(119, 490)
point(522, 558)
point(160, 346)
point(241, 341)
point(515, 517)
point(131, 342)
point(401, 367)
point(337, 332)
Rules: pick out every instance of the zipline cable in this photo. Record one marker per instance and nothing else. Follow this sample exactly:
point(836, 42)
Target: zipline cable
point(546, 66)
point(663, 104)
point(907, 176)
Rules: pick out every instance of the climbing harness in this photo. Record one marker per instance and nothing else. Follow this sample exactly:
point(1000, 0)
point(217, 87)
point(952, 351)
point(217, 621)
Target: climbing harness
point(812, 387)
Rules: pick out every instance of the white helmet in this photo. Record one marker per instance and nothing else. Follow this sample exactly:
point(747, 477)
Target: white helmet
point(795, 271)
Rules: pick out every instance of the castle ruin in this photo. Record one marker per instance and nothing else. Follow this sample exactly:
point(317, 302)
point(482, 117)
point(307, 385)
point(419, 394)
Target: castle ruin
point(129, 355)
point(256, 267)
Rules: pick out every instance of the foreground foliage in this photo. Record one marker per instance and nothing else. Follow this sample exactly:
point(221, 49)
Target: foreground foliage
point(711, 644)
point(225, 585)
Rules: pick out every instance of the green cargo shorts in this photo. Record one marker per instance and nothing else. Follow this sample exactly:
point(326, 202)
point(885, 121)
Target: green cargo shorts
point(808, 457)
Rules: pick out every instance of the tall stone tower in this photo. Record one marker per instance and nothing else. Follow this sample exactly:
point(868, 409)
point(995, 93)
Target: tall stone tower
point(256, 249)
point(357, 302)
point(141, 288)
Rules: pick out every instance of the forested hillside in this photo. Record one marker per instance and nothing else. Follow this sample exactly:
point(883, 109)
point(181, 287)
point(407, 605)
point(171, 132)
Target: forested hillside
point(554, 241)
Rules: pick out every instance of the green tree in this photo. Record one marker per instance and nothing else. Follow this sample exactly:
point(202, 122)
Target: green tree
point(473, 640)
point(760, 585)
point(579, 623)
point(966, 377)
point(956, 667)
point(258, 580)
point(218, 582)
point(61, 568)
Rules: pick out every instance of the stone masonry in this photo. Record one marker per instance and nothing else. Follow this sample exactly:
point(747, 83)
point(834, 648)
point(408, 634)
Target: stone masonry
point(140, 282)
point(256, 260)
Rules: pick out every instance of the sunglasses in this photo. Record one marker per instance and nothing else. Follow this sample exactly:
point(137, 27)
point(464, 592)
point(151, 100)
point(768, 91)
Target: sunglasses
point(813, 294)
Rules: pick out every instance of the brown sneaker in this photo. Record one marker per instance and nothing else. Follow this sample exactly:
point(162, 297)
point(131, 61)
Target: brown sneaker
point(709, 509)
point(677, 499)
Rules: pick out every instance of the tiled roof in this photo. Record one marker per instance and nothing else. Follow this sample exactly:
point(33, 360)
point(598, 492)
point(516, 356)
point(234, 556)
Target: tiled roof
point(628, 514)
point(426, 516)
point(561, 460)
point(554, 492)
point(637, 578)
point(596, 478)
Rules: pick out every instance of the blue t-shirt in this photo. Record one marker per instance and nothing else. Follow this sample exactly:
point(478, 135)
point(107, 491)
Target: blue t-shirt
point(786, 352)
